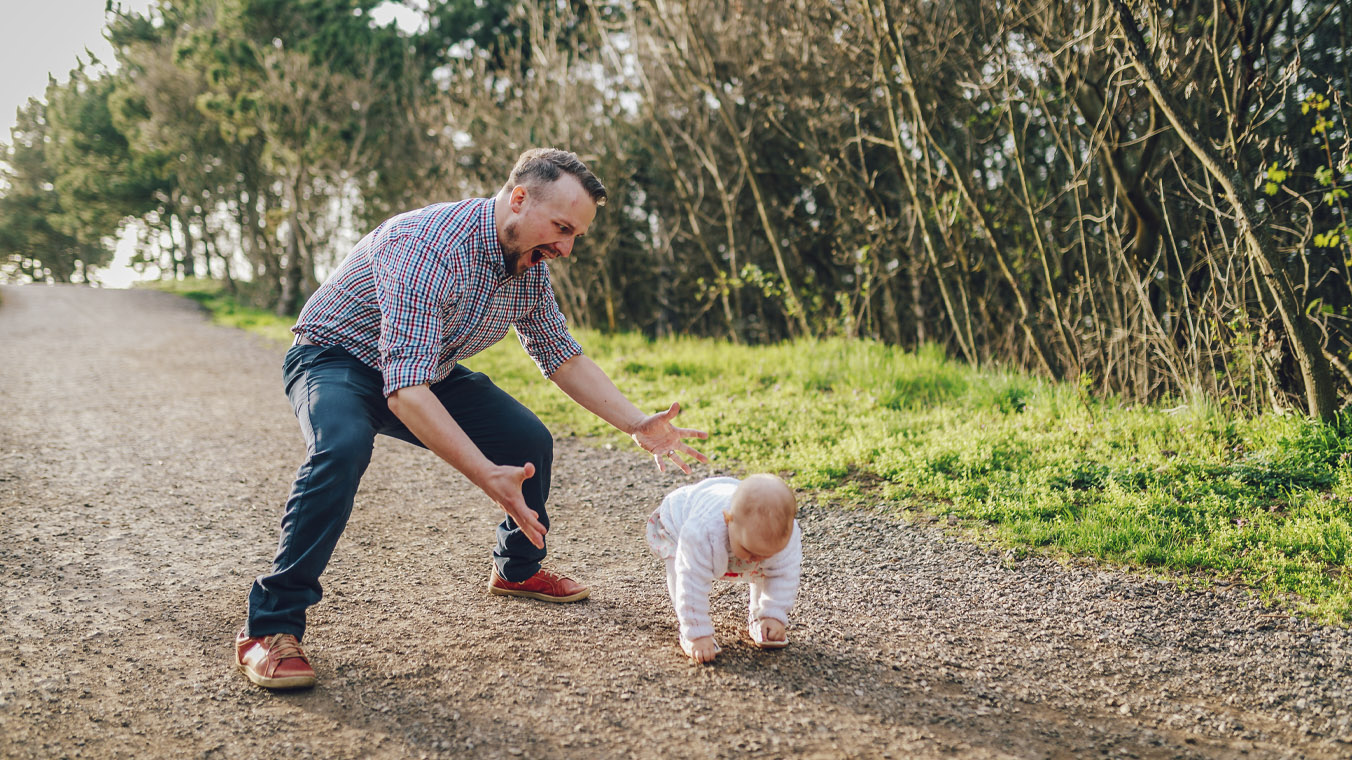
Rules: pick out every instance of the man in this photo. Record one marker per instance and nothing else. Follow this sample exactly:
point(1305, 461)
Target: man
point(377, 350)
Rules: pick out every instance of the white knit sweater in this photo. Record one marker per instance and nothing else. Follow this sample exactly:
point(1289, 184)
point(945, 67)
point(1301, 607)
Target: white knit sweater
point(690, 528)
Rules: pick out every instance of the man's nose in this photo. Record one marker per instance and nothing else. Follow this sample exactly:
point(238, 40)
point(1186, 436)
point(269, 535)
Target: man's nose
point(564, 247)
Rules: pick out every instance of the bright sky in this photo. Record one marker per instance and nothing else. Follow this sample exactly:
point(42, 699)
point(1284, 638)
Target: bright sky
point(48, 36)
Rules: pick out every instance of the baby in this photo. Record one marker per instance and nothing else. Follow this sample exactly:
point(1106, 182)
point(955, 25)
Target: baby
point(736, 530)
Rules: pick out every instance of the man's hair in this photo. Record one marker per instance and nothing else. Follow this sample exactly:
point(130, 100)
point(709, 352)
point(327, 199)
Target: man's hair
point(542, 166)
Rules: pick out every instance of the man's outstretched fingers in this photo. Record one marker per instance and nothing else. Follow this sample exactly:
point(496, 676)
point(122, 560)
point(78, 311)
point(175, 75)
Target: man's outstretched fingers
point(679, 462)
point(527, 519)
point(686, 449)
point(665, 441)
point(692, 433)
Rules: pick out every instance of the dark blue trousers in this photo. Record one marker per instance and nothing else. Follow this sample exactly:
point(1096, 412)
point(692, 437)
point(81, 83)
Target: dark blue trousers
point(339, 404)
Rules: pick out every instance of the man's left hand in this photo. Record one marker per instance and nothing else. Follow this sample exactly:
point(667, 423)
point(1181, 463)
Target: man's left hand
point(664, 441)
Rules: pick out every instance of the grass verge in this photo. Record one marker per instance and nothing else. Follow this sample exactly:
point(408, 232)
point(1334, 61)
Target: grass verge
point(1186, 489)
point(226, 309)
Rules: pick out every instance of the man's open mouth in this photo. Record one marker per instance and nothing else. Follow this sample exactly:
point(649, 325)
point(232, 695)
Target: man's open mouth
point(543, 253)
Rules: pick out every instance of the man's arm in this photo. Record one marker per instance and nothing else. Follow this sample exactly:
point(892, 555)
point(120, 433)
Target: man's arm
point(422, 413)
point(590, 386)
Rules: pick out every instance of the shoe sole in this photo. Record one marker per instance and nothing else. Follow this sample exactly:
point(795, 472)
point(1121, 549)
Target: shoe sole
point(290, 682)
point(583, 594)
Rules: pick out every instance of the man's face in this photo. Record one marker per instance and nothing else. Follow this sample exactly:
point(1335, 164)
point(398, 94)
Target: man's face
point(543, 221)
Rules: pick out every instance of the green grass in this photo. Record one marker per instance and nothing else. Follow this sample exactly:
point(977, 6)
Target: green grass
point(226, 309)
point(1185, 489)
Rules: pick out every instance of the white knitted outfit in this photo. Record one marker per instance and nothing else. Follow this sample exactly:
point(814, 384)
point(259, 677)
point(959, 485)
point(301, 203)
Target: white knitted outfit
point(689, 532)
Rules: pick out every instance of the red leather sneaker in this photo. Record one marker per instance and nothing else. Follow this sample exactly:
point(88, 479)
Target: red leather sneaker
point(274, 662)
point(544, 585)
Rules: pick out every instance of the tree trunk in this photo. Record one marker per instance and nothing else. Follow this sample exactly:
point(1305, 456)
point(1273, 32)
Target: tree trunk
point(189, 260)
point(291, 274)
point(1030, 330)
point(1305, 343)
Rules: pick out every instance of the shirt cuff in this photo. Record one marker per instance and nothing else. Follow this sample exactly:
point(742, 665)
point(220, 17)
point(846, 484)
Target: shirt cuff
point(402, 372)
point(550, 361)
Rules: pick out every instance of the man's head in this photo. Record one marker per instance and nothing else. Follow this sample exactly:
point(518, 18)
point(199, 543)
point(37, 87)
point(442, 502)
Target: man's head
point(760, 521)
point(549, 201)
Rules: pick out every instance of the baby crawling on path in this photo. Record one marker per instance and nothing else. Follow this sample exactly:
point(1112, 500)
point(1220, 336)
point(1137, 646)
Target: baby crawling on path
point(738, 530)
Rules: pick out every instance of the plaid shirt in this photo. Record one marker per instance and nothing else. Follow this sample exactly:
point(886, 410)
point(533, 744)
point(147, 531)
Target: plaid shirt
point(427, 289)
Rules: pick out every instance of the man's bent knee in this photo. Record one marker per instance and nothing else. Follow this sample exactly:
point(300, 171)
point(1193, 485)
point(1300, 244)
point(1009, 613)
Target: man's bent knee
point(537, 443)
point(348, 451)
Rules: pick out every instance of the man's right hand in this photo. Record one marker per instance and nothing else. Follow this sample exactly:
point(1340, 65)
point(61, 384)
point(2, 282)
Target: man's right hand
point(502, 483)
point(422, 413)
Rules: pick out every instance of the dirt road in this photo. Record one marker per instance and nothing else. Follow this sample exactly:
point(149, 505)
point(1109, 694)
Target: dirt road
point(144, 456)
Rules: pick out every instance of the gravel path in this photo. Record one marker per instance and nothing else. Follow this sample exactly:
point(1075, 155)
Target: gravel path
point(144, 456)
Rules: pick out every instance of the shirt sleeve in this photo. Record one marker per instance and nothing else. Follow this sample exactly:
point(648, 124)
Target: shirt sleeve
point(544, 332)
point(694, 582)
point(779, 588)
point(411, 284)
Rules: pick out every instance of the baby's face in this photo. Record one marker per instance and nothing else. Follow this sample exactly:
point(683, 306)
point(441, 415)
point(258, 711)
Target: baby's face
point(750, 544)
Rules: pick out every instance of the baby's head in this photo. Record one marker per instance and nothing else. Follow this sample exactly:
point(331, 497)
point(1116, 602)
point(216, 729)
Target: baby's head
point(760, 519)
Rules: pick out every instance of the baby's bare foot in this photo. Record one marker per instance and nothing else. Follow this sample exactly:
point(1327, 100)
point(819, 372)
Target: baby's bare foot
point(768, 633)
point(702, 649)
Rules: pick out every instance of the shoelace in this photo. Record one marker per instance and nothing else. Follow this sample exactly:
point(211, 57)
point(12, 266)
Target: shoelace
point(546, 575)
point(283, 646)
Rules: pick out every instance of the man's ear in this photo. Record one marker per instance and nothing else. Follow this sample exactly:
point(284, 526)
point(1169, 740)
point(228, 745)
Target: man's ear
point(517, 198)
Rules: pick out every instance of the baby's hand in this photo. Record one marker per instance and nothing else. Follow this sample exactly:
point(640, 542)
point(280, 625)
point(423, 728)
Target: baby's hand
point(772, 629)
point(703, 649)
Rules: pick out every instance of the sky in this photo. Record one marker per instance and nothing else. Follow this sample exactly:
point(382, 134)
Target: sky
point(50, 36)
point(47, 36)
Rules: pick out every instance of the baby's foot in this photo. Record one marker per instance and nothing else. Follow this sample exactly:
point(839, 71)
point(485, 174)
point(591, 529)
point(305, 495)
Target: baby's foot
point(702, 649)
point(767, 633)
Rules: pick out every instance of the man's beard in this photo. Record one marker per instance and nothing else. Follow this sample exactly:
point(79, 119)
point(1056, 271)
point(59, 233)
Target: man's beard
point(513, 256)
point(511, 252)
point(510, 259)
